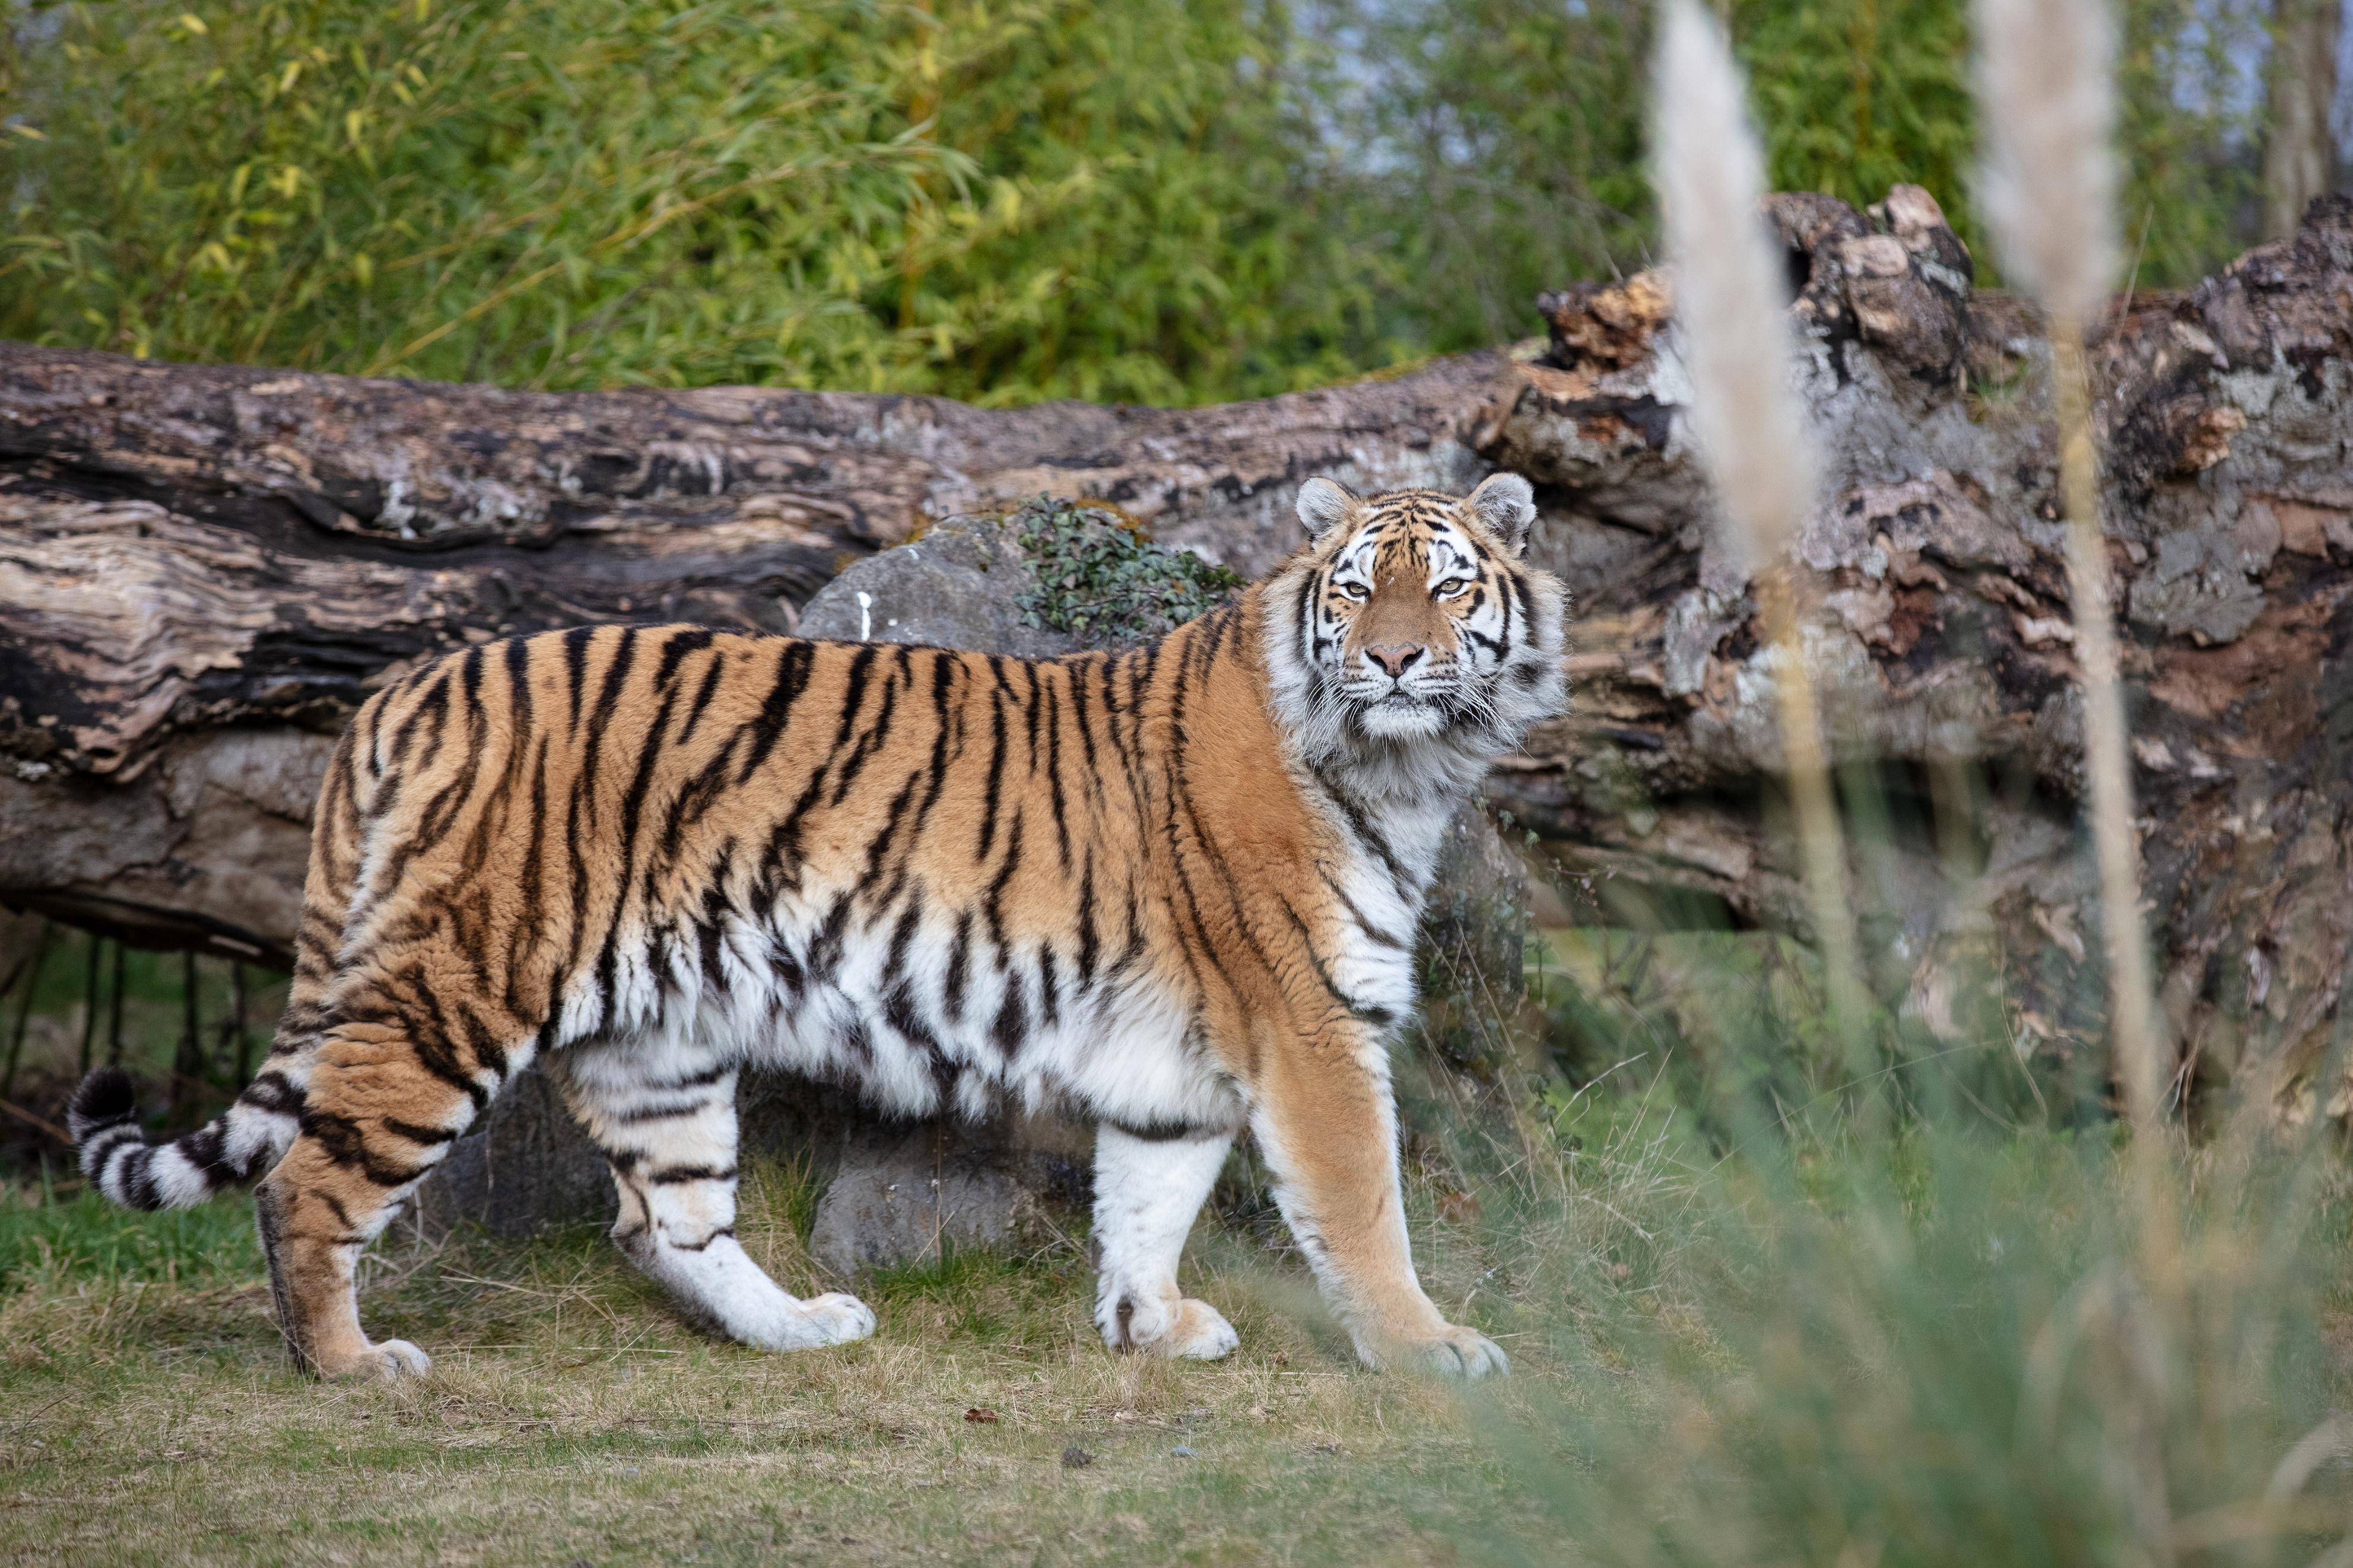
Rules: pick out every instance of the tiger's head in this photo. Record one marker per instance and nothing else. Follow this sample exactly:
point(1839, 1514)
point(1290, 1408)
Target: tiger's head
point(1411, 622)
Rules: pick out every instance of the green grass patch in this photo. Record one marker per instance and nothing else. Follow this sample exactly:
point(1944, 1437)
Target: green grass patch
point(85, 1239)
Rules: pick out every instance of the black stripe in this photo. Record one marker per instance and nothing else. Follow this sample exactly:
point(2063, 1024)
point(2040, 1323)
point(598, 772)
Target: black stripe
point(1167, 1131)
point(959, 961)
point(272, 1092)
point(996, 768)
point(1029, 707)
point(575, 669)
point(879, 846)
point(1050, 988)
point(902, 937)
point(872, 740)
point(1086, 729)
point(608, 696)
point(702, 1079)
point(672, 1175)
point(702, 1246)
point(519, 710)
point(793, 663)
point(944, 666)
point(680, 644)
point(702, 696)
point(992, 904)
point(1089, 944)
point(899, 1011)
point(340, 1139)
point(1012, 1024)
point(660, 1110)
point(1364, 922)
point(825, 953)
point(1054, 773)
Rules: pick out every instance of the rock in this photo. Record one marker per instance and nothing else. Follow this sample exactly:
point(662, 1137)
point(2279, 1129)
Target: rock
point(902, 1192)
point(956, 587)
point(1473, 941)
point(911, 1192)
point(526, 1166)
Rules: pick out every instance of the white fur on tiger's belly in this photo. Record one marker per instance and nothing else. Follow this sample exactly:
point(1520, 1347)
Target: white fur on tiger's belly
point(1119, 1048)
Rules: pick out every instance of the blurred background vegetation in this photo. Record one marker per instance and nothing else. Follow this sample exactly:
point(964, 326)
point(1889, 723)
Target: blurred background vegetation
point(1000, 200)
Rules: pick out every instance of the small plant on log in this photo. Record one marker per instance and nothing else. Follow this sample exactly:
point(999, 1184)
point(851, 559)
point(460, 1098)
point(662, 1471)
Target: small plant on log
point(1102, 578)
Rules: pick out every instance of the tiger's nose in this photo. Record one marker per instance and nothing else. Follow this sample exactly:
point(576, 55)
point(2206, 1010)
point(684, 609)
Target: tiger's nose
point(1396, 658)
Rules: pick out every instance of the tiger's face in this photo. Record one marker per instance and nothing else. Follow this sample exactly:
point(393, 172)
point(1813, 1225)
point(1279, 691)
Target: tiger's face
point(1416, 618)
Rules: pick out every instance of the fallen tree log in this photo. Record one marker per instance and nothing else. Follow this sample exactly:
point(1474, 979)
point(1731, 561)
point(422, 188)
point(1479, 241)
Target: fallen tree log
point(202, 569)
point(1939, 627)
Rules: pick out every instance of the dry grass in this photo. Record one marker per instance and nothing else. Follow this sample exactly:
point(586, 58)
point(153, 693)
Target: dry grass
point(1802, 1338)
point(147, 1415)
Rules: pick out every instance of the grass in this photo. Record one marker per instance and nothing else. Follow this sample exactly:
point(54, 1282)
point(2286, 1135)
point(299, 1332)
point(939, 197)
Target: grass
point(1932, 1347)
point(1755, 1317)
point(147, 1415)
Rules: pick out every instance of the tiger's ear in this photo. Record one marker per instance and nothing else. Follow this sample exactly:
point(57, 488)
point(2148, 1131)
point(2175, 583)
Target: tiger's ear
point(1505, 505)
point(1323, 504)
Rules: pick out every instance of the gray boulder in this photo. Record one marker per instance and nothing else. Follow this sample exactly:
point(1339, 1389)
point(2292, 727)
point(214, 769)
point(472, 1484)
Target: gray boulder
point(1474, 933)
point(914, 1193)
point(526, 1165)
point(902, 1192)
point(958, 586)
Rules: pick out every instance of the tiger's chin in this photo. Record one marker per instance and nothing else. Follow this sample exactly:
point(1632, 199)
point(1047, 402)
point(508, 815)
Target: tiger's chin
point(1400, 717)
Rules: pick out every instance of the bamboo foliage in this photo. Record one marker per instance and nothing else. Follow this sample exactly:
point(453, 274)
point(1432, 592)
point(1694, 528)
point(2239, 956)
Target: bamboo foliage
point(979, 199)
point(1129, 199)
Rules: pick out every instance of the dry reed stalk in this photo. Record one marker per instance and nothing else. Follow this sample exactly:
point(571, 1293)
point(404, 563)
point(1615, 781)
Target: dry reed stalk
point(2043, 87)
point(2048, 190)
point(1732, 300)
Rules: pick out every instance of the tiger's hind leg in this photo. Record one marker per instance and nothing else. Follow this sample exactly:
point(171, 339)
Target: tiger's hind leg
point(376, 1119)
point(667, 1128)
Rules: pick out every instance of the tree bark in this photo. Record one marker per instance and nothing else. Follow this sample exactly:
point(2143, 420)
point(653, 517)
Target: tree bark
point(203, 570)
point(1940, 632)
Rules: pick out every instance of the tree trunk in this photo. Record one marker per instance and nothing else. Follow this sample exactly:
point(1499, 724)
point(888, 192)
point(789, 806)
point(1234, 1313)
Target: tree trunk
point(2299, 145)
point(203, 569)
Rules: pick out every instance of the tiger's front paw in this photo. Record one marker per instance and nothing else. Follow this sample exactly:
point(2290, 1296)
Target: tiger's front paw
point(1200, 1332)
point(832, 1319)
point(1176, 1326)
point(841, 1319)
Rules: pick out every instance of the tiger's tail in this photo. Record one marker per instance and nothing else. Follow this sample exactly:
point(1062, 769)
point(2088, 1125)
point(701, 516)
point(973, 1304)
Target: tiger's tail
point(244, 1142)
point(232, 1150)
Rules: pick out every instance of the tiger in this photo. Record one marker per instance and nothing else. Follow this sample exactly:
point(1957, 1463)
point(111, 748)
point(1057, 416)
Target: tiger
point(1170, 890)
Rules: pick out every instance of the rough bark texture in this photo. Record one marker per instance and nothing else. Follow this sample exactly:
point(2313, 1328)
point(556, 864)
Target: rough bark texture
point(201, 569)
point(1940, 628)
